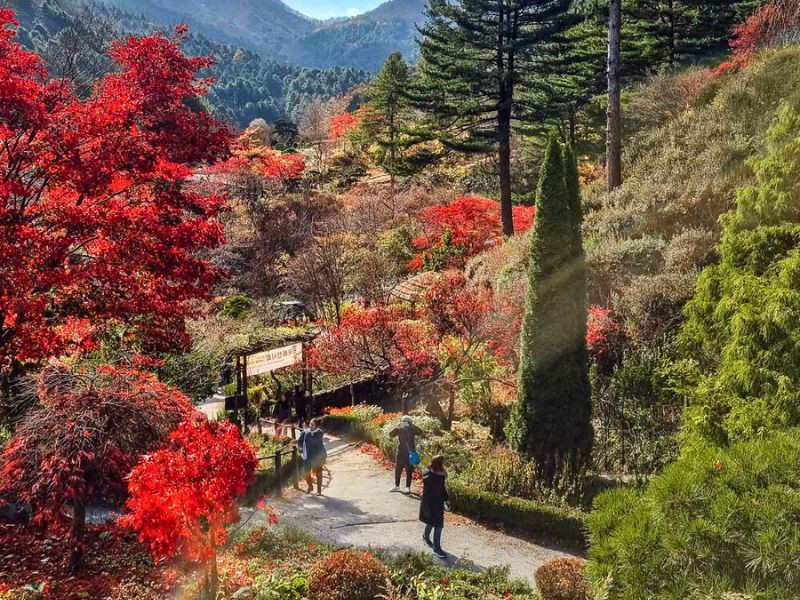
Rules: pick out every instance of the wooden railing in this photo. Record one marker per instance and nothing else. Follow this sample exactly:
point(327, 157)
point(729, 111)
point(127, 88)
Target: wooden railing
point(278, 457)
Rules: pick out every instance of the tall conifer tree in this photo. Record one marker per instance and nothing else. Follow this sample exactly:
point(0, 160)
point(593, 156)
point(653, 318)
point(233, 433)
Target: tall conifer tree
point(551, 419)
point(389, 100)
point(475, 58)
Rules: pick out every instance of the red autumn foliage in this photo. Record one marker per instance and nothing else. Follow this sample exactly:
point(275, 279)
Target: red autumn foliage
point(456, 308)
point(605, 337)
point(384, 340)
point(27, 561)
point(474, 225)
point(258, 167)
point(97, 224)
point(183, 495)
point(342, 124)
point(769, 23)
point(82, 438)
point(282, 167)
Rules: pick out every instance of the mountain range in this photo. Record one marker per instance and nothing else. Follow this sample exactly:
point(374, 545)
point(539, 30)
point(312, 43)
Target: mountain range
point(247, 85)
point(277, 31)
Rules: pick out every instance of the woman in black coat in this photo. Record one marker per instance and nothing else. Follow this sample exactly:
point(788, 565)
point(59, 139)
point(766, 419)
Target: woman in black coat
point(312, 450)
point(432, 507)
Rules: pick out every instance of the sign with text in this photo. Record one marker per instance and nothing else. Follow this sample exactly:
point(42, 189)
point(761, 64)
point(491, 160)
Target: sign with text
point(272, 360)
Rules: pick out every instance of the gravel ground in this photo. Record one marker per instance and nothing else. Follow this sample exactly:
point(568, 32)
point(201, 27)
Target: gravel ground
point(356, 509)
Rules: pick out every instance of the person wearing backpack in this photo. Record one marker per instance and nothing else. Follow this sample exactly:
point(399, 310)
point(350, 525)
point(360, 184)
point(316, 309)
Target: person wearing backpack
point(434, 502)
point(407, 458)
point(312, 450)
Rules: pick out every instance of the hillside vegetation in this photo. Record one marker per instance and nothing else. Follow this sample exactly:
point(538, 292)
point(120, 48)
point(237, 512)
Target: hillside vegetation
point(691, 141)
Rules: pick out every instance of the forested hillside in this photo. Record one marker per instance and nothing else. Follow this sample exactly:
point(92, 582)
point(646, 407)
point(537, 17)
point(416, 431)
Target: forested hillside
point(248, 86)
point(276, 31)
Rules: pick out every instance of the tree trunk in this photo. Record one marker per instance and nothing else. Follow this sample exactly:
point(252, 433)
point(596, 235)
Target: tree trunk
point(504, 155)
point(614, 111)
point(76, 533)
point(572, 121)
point(671, 8)
point(451, 408)
point(210, 581)
point(352, 394)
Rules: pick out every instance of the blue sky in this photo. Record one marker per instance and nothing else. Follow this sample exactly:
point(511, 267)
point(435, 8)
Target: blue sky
point(325, 9)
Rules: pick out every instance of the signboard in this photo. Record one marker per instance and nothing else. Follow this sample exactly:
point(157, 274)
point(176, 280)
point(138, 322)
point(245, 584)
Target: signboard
point(271, 360)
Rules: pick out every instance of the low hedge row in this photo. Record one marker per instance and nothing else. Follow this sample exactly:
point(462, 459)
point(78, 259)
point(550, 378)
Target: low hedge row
point(526, 515)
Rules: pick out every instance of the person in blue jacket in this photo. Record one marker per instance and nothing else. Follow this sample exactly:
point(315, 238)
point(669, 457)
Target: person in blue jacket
point(312, 450)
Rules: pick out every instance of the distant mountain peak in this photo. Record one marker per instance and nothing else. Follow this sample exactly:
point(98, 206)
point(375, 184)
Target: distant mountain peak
point(276, 30)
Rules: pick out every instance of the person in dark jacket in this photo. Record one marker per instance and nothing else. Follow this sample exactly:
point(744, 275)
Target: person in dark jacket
point(312, 450)
point(283, 414)
point(434, 502)
point(406, 433)
point(300, 405)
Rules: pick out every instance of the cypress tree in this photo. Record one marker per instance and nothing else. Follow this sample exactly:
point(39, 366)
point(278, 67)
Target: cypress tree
point(551, 419)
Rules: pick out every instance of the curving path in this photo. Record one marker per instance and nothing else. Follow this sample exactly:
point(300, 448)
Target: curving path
point(356, 509)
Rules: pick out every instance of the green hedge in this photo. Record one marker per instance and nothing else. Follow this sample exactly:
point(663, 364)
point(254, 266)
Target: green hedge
point(526, 515)
point(529, 516)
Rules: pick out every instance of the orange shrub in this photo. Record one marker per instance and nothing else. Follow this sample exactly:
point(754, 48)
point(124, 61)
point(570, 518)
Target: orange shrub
point(563, 579)
point(347, 575)
point(340, 412)
point(384, 418)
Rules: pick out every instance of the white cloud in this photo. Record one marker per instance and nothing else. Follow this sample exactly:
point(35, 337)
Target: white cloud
point(353, 12)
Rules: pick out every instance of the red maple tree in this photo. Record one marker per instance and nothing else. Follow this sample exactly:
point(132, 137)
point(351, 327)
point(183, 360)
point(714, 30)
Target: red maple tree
point(458, 311)
point(384, 340)
point(97, 223)
point(342, 124)
point(183, 495)
point(80, 440)
point(472, 225)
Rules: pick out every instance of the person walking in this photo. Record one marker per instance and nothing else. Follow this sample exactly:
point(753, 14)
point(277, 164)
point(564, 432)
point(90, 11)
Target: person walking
point(434, 501)
point(300, 405)
point(283, 414)
point(313, 453)
point(406, 433)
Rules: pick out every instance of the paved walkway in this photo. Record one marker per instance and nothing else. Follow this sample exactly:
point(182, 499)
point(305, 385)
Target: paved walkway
point(356, 509)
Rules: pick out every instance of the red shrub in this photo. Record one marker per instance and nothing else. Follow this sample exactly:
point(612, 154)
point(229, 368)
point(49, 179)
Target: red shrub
point(769, 23)
point(343, 124)
point(182, 496)
point(605, 337)
point(473, 224)
point(347, 575)
point(385, 340)
point(563, 579)
point(81, 440)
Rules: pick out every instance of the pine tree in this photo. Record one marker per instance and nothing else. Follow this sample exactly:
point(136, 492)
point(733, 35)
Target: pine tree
point(474, 56)
point(389, 101)
point(674, 31)
point(551, 419)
